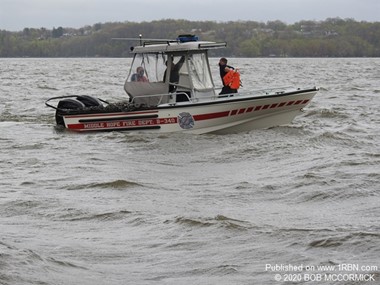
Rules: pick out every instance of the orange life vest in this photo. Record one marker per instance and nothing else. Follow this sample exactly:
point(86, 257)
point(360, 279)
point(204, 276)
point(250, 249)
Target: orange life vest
point(232, 79)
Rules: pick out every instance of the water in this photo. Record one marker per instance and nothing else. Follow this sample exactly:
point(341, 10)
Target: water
point(119, 208)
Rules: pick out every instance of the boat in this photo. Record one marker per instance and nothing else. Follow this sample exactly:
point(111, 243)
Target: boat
point(170, 89)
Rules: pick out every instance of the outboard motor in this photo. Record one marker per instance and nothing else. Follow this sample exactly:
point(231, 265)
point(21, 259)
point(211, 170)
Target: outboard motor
point(81, 102)
point(66, 105)
point(90, 101)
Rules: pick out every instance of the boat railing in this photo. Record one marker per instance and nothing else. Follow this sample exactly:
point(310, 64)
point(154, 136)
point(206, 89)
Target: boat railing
point(263, 92)
point(168, 98)
point(153, 100)
point(146, 100)
point(273, 90)
point(251, 93)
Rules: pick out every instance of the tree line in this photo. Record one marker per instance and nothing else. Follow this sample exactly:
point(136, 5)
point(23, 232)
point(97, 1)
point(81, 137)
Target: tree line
point(333, 37)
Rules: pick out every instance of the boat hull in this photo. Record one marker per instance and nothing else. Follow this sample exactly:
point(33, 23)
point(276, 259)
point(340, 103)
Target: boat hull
point(220, 116)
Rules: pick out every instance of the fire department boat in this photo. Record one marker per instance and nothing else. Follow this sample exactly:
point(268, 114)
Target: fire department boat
point(176, 93)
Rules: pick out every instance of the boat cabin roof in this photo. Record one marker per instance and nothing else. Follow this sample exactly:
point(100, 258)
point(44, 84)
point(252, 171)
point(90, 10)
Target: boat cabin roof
point(176, 46)
point(183, 43)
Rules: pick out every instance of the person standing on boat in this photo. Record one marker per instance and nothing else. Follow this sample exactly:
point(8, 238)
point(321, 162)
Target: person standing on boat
point(174, 73)
point(139, 75)
point(224, 69)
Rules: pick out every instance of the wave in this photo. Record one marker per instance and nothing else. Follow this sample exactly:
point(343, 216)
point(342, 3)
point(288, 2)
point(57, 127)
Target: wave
point(45, 87)
point(355, 238)
point(315, 188)
point(116, 184)
point(24, 266)
point(329, 242)
point(327, 113)
point(218, 221)
point(221, 270)
point(19, 208)
point(332, 138)
point(108, 216)
point(26, 116)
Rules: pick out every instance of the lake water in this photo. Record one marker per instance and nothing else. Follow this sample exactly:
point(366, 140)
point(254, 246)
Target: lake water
point(119, 208)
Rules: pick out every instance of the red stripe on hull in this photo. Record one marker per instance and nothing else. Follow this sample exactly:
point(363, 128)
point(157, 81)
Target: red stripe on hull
point(273, 106)
point(211, 116)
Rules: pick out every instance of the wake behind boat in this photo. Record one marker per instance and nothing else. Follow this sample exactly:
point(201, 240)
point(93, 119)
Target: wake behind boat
point(171, 89)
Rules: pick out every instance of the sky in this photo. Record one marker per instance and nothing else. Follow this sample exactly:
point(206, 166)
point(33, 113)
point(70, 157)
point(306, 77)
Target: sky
point(15, 15)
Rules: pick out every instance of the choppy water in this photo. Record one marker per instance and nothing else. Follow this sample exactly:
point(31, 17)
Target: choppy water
point(118, 208)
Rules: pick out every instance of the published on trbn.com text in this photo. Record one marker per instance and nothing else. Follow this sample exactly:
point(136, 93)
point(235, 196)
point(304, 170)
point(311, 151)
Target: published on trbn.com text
point(345, 272)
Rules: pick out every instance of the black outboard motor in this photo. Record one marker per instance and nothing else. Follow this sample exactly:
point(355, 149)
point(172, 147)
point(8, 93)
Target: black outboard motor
point(65, 106)
point(70, 105)
point(90, 101)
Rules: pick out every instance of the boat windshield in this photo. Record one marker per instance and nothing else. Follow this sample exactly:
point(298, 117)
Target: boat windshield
point(192, 69)
point(199, 71)
point(148, 68)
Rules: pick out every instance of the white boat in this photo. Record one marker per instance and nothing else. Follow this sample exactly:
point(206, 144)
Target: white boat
point(177, 94)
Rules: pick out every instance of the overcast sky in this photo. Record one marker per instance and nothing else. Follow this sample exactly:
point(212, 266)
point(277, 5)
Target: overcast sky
point(15, 15)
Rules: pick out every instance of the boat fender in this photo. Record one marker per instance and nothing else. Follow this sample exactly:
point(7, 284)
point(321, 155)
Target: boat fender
point(232, 79)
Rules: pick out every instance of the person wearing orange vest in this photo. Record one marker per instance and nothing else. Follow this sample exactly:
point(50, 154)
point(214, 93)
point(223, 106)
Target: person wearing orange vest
point(228, 76)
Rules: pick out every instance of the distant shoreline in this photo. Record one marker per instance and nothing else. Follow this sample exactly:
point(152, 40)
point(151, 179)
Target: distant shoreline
point(333, 37)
